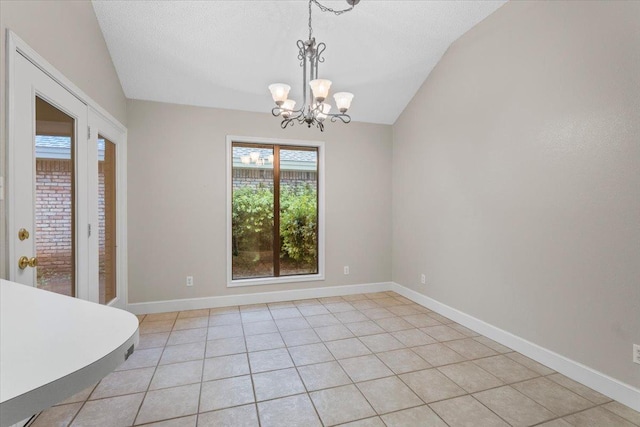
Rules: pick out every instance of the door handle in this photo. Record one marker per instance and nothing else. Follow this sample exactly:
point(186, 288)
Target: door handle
point(23, 234)
point(25, 262)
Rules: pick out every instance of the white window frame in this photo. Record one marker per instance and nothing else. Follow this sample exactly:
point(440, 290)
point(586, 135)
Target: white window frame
point(231, 283)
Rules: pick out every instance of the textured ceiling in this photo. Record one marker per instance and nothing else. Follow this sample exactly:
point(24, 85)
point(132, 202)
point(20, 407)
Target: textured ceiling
point(225, 53)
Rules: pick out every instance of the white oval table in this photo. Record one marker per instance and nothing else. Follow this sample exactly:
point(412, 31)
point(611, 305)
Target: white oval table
point(53, 346)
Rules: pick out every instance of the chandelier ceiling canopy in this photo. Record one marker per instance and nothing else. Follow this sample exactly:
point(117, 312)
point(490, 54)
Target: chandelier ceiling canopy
point(314, 110)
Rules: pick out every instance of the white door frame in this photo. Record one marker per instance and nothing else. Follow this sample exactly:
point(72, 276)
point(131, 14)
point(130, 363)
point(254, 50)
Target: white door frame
point(17, 46)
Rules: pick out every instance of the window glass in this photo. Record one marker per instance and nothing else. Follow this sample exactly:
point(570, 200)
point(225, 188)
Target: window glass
point(298, 211)
point(55, 207)
point(274, 211)
point(252, 222)
point(106, 220)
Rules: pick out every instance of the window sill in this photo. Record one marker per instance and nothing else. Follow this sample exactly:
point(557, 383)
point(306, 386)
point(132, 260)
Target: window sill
point(275, 280)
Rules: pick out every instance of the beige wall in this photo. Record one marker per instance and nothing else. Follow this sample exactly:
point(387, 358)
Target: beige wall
point(67, 35)
point(177, 198)
point(515, 179)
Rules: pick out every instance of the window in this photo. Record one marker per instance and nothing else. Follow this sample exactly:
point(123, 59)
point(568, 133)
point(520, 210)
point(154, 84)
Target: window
point(274, 209)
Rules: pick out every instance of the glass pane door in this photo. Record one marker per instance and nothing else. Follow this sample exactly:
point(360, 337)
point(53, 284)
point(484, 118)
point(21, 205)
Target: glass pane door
point(106, 220)
point(55, 199)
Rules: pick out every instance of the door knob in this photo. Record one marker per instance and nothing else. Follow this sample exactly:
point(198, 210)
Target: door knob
point(23, 234)
point(25, 262)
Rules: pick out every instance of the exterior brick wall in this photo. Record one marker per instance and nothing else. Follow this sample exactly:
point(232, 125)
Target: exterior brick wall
point(54, 217)
point(255, 177)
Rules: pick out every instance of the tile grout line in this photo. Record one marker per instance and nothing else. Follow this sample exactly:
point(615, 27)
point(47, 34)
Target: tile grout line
point(353, 382)
point(204, 358)
point(253, 385)
point(561, 417)
point(88, 398)
point(407, 385)
point(307, 393)
point(505, 384)
point(32, 421)
point(593, 405)
point(602, 405)
point(153, 375)
point(476, 400)
point(471, 394)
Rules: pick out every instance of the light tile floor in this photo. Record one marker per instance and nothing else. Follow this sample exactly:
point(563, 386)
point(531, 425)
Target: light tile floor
point(360, 360)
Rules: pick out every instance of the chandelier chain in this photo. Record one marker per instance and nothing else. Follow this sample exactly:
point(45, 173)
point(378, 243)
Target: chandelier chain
point(310, 28)
point(324, 8)
point(328, 9)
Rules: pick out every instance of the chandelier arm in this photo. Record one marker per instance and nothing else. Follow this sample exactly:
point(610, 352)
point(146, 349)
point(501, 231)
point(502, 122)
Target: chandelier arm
point(306, 116)
point(293, 114)
point(296, 114)
point(345, 118)
point(286, 122)
point(319, 51)
point(301, 51)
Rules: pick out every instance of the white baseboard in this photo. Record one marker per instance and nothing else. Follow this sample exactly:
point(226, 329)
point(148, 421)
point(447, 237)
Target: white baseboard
point(617, 390)
point(255, 298)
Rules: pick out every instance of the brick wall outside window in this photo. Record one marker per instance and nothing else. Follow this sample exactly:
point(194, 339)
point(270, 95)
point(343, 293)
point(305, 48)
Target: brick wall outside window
point(53, 218)
point(255, 177)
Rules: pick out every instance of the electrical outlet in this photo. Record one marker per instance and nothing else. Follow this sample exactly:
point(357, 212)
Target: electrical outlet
point(346, 270)
point(423, 279)
point(189, 280)
point(636, 353)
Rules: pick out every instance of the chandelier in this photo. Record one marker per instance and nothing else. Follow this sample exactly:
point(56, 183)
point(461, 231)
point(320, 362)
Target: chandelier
point(314, 110)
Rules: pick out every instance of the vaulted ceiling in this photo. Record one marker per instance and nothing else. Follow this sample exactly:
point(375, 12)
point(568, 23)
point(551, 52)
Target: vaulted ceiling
point(224, 54)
